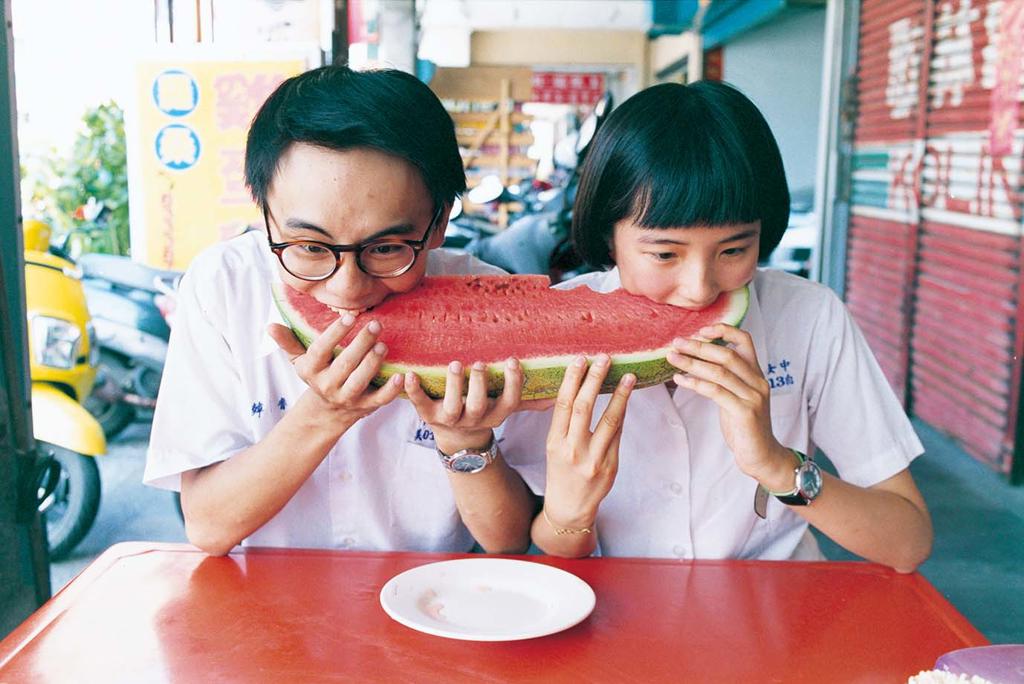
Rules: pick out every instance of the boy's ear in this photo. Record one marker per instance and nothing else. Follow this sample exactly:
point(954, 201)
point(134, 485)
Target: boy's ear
point(437, 235)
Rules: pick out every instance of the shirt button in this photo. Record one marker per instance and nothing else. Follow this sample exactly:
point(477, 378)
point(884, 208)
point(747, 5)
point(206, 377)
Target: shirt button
point(348, 542)
point(675, 422)
point(345, 476)
point(679, 551)
point(676, 488)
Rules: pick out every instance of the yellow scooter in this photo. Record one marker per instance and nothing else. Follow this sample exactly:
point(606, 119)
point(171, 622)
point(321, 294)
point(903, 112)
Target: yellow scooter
point(62, 364)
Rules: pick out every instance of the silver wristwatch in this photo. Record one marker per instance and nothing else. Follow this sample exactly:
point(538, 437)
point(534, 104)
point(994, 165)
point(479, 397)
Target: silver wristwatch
point(807, 483)
point(469, 461)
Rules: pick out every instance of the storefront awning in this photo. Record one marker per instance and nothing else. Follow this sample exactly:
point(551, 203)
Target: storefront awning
point(722, 21)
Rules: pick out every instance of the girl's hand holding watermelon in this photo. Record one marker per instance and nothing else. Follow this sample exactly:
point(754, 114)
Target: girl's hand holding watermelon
point(341, 384)
point(581, 465)
point(731, 377)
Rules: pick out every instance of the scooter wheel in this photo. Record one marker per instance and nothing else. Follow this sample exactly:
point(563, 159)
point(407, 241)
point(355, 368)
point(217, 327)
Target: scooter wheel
point(113, 416)
point(71, 509)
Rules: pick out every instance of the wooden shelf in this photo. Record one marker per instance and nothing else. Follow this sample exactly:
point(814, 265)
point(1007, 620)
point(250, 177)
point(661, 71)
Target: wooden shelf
point(493, 141)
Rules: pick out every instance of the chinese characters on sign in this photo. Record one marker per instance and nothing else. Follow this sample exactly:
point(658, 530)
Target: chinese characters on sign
point(567, 88)
point(192, 120)
point(965, 171)
point(904, 68)
point(953, 61)
point(177, 147)
point(1006, 89)
point(175, 93)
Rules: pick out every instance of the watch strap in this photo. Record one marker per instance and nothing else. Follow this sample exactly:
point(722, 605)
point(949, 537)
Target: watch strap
point(796, 496)
point(801, 457)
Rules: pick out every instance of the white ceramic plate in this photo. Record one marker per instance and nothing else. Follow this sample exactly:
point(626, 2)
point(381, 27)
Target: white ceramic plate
point(487, 599)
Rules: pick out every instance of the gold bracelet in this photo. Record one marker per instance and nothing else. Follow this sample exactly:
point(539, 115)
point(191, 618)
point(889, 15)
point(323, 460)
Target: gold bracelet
point(564, 530)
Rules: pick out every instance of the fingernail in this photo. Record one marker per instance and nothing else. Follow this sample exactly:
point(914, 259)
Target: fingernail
point(479, 366)
point(601, 361)
point(397, 379)
point(511, 363)
point(580, 361)
point(348, 319)
point(455, 367)
point(707, 330)
point(410, 377)
point(628, 380)
point(380, 348)
point(373, 327)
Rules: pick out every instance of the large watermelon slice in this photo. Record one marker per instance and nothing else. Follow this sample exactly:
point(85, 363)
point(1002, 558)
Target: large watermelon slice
point(490, 318)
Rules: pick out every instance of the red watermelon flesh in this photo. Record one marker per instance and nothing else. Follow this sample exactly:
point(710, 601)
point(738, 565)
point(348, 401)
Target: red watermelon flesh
point(492, 318)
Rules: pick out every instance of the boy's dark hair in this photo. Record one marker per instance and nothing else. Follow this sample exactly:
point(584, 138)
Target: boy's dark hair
point(681, 155)
point(338, 108)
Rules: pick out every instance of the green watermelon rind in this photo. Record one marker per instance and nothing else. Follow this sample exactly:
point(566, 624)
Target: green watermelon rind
point(542, 375)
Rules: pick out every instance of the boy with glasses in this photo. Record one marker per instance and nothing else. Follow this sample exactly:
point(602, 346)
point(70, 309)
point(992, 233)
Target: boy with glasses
point(277, 445)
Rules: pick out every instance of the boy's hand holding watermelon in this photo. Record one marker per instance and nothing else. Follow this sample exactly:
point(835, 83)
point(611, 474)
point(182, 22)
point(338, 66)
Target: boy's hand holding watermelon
point(341, 383)
point(461, 422)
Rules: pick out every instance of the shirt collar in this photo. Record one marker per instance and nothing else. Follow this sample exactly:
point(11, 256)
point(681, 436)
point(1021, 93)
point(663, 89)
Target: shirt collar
point(267, 345)
point(753, 323)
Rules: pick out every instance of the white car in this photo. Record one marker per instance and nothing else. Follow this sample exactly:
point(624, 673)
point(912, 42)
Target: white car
point(799, 243)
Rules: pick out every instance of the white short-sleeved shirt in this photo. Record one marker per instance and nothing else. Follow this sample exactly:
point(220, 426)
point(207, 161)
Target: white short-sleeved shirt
point(679, 493)
point(226, 384)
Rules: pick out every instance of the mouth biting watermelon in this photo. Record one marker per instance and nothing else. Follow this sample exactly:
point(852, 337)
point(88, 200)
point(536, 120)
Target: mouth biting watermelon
point(492, 318)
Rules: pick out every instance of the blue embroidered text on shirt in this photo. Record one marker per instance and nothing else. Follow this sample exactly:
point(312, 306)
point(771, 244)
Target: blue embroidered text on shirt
point(282, 404)
point(780, 378)
point(257, 409)
point(423, 436)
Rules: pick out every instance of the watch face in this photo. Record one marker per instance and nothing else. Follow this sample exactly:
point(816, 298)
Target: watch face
point(469, 463)
point(809, 480)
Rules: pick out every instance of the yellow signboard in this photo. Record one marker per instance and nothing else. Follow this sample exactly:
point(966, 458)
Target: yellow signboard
point(191, 121)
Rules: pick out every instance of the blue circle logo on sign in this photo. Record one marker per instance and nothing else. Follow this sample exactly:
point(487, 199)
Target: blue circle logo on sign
point(177, 147)
point(175, 92)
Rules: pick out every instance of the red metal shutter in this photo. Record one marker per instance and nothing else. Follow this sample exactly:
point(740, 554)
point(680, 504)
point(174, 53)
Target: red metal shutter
point(887, 150)
point(964, 370)
point(934, 259)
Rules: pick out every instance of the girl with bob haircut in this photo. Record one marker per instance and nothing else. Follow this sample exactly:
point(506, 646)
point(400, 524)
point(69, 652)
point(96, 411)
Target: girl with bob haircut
point(682, 193)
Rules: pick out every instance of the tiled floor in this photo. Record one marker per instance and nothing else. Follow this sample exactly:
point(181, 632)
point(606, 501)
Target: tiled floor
point(978, 558)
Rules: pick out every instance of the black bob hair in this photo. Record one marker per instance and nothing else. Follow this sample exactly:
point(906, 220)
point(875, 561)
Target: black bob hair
point(677, 156)
point(337, 108)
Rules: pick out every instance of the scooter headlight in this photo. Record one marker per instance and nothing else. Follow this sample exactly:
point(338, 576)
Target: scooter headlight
point(56, 342)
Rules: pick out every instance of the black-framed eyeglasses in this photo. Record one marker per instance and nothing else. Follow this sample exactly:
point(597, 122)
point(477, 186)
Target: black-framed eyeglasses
point(380, 258)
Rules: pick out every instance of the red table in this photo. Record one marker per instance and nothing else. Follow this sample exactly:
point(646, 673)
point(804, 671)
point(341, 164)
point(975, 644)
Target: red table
point(166, 612)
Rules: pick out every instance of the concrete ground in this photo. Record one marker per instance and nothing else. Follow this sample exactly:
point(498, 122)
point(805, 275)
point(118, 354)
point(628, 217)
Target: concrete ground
point(977, 562)
point(129, 511)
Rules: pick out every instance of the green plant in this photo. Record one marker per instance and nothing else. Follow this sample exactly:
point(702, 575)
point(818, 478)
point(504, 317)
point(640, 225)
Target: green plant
point(95, 168)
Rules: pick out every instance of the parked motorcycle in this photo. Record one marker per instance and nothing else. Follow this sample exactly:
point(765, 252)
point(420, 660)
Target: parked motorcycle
point(539, 240)
point(62, 363)
point(129, 303)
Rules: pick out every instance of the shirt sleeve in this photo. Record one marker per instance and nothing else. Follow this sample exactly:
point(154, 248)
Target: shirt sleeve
point(197, 420)
point(855, 417)
point(522, 439)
